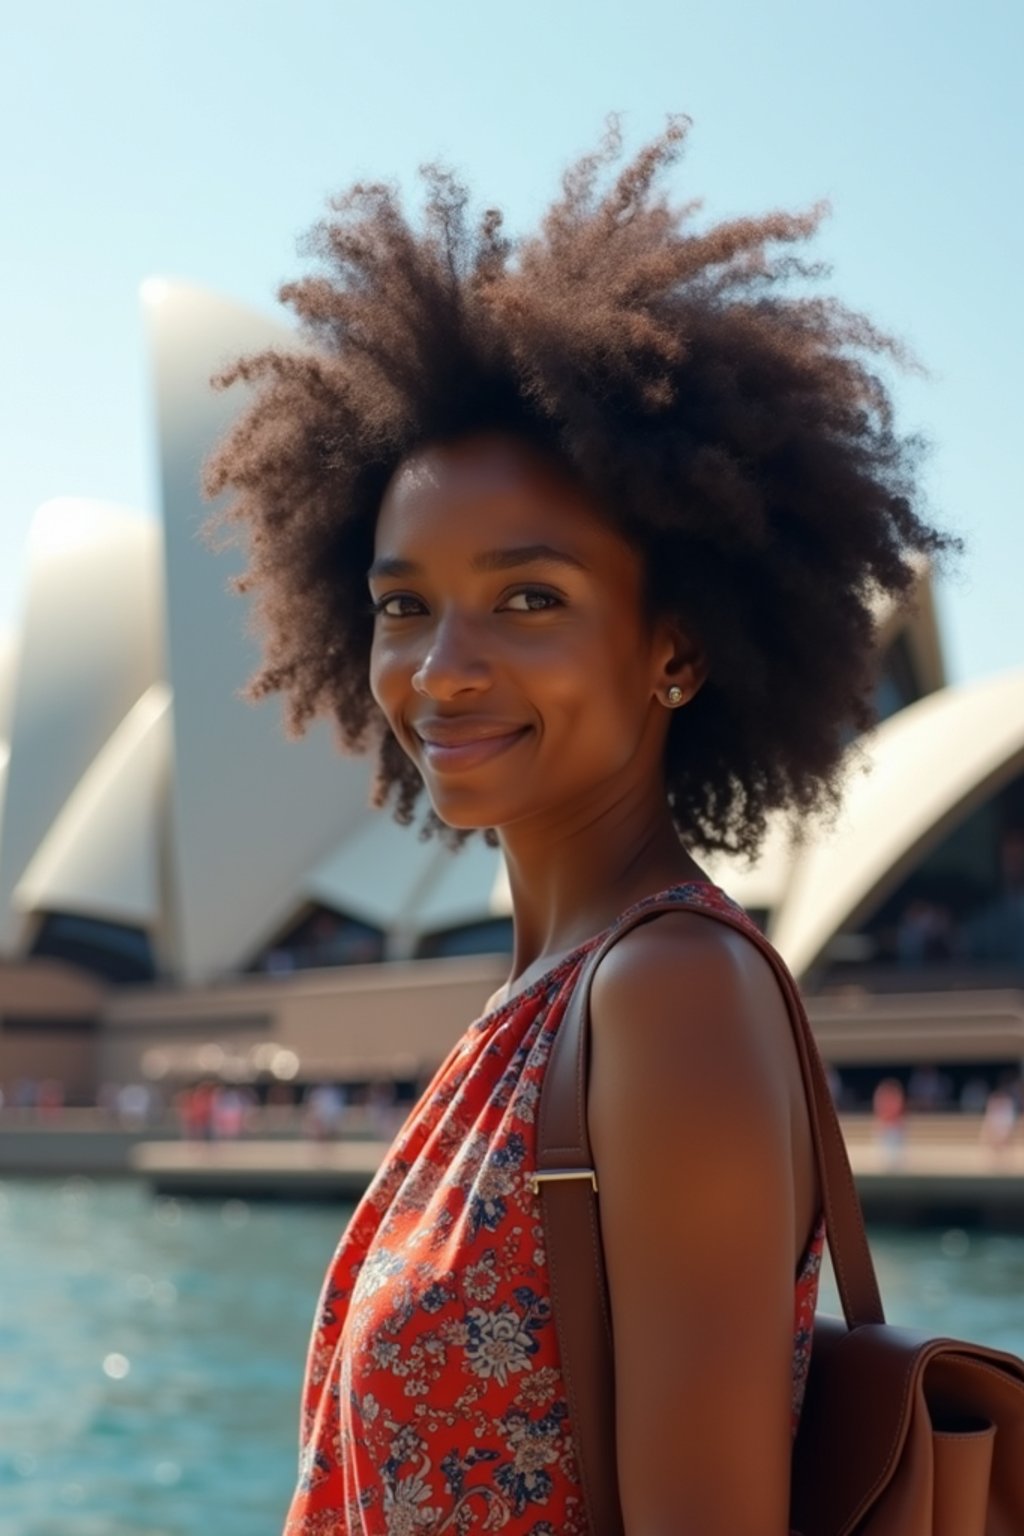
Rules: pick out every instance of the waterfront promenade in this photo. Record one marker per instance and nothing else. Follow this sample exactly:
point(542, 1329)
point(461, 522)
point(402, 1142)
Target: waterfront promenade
point(944, 1172)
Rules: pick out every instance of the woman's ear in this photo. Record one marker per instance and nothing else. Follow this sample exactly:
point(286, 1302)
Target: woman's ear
point(684, 667)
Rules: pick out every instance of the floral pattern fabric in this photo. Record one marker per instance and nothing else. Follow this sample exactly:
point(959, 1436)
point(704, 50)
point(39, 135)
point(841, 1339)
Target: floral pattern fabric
point(433, 1399)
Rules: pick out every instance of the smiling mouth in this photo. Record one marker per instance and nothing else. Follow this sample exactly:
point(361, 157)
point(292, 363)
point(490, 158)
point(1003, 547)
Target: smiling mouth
point(468, 752)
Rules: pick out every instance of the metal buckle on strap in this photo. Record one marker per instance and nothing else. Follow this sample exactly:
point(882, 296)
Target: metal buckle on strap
point(562, 1173)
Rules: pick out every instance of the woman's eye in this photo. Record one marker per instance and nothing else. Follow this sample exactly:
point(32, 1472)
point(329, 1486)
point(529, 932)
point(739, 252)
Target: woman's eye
point(531, 600)
point(399, 605)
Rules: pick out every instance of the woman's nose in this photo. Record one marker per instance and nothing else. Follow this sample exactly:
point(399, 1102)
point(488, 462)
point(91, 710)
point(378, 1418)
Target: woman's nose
point(453, 662)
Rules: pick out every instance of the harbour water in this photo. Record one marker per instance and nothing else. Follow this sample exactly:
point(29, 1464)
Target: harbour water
point(151, 1350)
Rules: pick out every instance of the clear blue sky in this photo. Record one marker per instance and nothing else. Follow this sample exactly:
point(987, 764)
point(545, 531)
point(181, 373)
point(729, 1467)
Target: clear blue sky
point(198, 138)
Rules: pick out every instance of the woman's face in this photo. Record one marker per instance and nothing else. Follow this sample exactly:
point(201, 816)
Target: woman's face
point(511, 655)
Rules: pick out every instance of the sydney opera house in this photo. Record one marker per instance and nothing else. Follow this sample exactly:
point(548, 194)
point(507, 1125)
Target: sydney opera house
point(183, 891)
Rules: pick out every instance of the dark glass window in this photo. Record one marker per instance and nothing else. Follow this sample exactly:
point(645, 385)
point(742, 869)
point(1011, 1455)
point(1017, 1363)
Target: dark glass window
point(492, 936)
point(321, 937)
point(115, 951)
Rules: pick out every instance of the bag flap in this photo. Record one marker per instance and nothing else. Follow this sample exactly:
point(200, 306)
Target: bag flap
point(864, 1386)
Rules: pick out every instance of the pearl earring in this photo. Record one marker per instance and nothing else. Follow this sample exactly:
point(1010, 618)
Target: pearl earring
point(674, 696)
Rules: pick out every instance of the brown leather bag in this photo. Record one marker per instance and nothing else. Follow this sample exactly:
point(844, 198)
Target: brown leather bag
point(901, 1434)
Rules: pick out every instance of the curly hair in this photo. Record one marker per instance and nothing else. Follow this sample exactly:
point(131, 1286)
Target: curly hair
point(739, 434)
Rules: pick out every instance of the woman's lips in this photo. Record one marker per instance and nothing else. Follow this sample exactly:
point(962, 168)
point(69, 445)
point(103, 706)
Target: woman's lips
point(456, 755)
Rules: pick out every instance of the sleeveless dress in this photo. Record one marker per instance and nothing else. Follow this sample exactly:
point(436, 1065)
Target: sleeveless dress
point(433, 1399)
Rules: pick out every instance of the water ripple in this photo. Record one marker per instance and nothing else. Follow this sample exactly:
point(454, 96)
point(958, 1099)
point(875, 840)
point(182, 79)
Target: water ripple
point(158, 1351)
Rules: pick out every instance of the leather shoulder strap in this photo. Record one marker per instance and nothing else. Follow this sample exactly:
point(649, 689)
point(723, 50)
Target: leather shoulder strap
point(567, 1185)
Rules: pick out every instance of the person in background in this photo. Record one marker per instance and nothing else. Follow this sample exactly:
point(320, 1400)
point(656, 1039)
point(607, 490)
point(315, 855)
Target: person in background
point(925, 933)
point(324, 1111)
point(50, 1097)
point(194, 1106)
point(134, 1102)
point(928, 1089)
point(999, 1123)
point(889, 1107)
point(229, 1107)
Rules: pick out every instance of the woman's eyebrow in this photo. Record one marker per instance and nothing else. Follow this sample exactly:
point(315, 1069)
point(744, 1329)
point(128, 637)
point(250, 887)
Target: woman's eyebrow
point(525, 554)
point(487, 560)
point(390, 565)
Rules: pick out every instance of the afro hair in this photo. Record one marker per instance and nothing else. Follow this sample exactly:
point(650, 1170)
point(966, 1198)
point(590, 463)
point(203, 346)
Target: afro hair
point(733, 422)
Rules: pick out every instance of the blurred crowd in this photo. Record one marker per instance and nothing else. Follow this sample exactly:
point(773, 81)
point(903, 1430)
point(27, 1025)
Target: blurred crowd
point(213, 1110)
point(928, 1091)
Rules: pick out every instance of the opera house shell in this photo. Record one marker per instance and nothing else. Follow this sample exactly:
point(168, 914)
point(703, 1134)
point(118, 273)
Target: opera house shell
point(176, 876)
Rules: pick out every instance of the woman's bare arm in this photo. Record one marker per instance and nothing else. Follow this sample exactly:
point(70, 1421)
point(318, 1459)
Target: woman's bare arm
point(693, 1100)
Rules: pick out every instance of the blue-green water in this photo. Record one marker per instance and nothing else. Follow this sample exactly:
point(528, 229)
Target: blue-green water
point(151, 1355)
point(151, 1351)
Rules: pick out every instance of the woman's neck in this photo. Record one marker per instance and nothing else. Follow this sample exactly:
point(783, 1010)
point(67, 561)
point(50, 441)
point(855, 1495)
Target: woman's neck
point(571, 875)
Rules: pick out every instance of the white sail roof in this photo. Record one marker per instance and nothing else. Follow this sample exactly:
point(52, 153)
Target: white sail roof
point(90, 647)
point(100, 855)
point(251, 813)
point(927, 766)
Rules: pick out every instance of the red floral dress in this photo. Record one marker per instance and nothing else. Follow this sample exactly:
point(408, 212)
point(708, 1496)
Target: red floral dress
point(433, 1400)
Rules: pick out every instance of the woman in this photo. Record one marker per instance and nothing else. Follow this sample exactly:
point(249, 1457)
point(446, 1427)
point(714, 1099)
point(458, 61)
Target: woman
point(582, 537)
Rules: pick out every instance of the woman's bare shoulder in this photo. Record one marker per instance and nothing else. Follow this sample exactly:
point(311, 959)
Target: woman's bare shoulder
point(693, 998)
